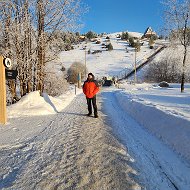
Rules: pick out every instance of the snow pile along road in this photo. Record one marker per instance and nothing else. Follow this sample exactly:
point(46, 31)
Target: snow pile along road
point(33, 104)
point(164, 112)
point(158, 166)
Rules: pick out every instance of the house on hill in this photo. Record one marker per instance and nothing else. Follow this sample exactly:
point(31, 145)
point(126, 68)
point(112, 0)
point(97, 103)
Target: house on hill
point(82, 38)
point(149, 32)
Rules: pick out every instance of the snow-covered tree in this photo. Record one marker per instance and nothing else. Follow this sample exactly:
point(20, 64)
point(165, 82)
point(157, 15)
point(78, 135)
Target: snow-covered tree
point(91, 35)
point(125, 36)
point(27, 30)
point(177, 19)
point(165, 69)
point(74, 70)
point(109, 46)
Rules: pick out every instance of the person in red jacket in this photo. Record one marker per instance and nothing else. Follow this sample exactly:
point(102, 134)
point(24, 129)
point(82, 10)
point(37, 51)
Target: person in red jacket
point(90, 89)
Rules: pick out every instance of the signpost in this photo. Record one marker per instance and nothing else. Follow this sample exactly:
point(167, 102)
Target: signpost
point(3, 114)
point(11, 74)
point(5, 72)
point(79, 80)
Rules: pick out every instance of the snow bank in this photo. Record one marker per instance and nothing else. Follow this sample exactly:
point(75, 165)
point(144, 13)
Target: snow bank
point(33, 104)
point(172, 130)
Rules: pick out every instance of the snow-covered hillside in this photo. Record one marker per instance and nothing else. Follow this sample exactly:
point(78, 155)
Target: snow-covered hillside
point(108, 63)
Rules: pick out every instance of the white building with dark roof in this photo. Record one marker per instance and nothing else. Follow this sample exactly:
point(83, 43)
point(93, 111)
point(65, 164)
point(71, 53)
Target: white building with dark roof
point(149, 32)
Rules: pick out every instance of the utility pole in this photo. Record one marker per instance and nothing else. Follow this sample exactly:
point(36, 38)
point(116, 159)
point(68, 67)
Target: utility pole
point(85, 61)
point(3, 114)
point(135, 67)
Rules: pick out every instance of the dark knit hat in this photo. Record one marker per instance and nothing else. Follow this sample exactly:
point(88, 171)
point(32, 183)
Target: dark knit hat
point(90, 74)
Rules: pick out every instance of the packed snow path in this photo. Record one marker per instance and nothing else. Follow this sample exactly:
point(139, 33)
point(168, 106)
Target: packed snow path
point(66, 151)
point(159, 167)
point(72, 151)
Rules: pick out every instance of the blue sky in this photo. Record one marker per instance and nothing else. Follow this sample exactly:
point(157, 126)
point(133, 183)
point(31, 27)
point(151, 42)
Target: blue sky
point(122, 15)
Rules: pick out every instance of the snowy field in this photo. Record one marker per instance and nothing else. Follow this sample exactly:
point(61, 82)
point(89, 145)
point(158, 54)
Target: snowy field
point(139, 142)
point(107, 63)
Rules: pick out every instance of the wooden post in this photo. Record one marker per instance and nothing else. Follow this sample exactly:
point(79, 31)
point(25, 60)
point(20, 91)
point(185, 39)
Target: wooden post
point(3, 114)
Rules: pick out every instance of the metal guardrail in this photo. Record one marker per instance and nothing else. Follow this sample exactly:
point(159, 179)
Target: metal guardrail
point(150, 58)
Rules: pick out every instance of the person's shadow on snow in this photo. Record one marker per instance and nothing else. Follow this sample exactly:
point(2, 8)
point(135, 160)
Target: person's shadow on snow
point(47, 99)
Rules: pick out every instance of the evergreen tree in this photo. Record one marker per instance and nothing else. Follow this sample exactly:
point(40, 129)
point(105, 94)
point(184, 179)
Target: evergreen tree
point(110, 47)
point(131, 42)
point(125, 36)
point(91, 35)
point(137, 46)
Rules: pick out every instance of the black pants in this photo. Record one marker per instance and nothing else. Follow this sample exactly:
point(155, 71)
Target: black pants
point(90, 102)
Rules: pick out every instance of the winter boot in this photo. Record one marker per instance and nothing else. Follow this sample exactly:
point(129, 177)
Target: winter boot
point(89, 114)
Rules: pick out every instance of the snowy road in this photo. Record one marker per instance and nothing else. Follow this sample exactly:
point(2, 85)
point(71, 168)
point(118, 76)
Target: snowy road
point(64, 151)
point(159, 168)
point(72, 151)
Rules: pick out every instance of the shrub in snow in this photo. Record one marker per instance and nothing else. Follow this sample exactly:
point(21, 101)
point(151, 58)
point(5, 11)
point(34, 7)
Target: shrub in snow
point(163, 84)
point(154, 37)
point(137, 46)
point(118, 36)
point(77, 34)
point(109, 46)
point(91, 35)
point(125, 36)
point(107, 37)
point(55, 85)
point(164, 70)
point(96, 51)
point(98, 42)
point(74, 70)
point(131, 42)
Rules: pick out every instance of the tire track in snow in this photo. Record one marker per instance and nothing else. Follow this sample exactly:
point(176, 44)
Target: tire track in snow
point(158, 166)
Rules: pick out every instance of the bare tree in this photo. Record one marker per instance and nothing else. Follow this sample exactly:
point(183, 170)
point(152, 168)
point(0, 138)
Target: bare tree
point(27, 29)
point(52, 16)
point(177, 19)
point(165, 69)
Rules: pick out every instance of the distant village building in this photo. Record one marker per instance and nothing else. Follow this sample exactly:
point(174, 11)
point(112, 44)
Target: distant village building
point(149, 32)
point(82, 38)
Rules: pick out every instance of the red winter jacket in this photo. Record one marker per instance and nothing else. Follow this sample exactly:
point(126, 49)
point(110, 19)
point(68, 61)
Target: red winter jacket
point(90, 88)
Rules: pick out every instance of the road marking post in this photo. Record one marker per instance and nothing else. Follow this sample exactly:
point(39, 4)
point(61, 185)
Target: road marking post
point(3, 113)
